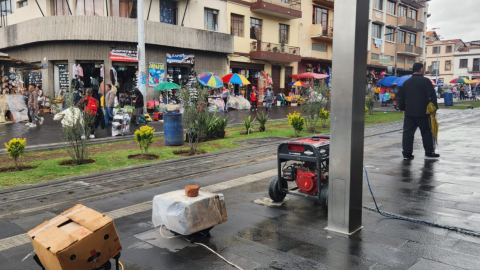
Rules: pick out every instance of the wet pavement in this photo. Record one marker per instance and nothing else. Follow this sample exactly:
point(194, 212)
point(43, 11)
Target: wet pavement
point(51, 131)
point(290, 236)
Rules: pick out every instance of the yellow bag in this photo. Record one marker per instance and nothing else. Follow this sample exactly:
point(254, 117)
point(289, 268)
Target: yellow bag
point(102, 101)
point(147, 116)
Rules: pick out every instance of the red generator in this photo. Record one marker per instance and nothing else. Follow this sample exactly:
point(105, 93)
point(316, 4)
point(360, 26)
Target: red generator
point(304, 162)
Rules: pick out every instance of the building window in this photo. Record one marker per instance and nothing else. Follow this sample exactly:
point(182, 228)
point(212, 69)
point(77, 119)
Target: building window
point(377, 31)
point(375, 56)
point(390, 35)
point(59, 7)
point(435, 65)
point(401, 60)
point(255, 29)
point(319, 47)
point(436, 50)
point(168, 12)
point(402, 11)
point(6, 7)
point(378, 4)
point(463, 63)
point(210, 19)
point(283, 34)
point(320, 15)
point(412, 39)
point(237, 22)
point(449, 49)
point(23, 3)
point(413, 14)
point(448, 65)
point(91, 8)
point(410, 61)
point(391, 7)
point(401, 36)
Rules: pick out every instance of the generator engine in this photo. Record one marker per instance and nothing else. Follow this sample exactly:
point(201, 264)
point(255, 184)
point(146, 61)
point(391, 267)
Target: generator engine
point(305, 176)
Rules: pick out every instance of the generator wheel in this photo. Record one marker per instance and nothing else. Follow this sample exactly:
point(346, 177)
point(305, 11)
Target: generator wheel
point(324, 197)
point(275, 194)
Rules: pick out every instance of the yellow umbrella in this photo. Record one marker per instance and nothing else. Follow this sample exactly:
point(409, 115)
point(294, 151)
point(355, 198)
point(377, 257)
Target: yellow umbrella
point(431, 109)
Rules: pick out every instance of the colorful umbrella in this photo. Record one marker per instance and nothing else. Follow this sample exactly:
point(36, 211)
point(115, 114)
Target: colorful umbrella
point(310, 75)
point(475, 81)
point(210, 79)
point(460, 80)
point(166, 85)
point(387, 81)
point(298, 83)
point(433, 82)
point(401, 80)
point(235, 78)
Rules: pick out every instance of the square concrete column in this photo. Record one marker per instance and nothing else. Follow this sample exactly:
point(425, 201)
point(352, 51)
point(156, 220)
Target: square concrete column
point(348, 115)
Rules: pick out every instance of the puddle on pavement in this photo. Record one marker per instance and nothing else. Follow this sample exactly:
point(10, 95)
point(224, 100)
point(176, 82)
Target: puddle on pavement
point(268, 202)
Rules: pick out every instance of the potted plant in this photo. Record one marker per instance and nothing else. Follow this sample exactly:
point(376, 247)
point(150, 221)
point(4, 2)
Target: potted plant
point(221, 125)
point(262, 120)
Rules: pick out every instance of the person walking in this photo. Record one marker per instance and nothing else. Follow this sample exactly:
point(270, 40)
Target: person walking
point(225, 97)
point(139, 103)
point(269, 99)
point(88, 105)
point(109, 104)
point(253, 98)
point(462, 92)
point(33, 106)
point(413, 99)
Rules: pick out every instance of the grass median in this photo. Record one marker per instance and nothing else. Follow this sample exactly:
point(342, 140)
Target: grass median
point(110, 156)
point(461, 105)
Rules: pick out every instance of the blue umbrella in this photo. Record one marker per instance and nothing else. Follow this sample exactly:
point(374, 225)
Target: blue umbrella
point(387, 81)
point(401, 80)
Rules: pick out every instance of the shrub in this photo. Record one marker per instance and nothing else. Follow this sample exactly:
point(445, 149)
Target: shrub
point(249, 124)
point(15, 149)
point(296, 121)
point(324, 115)
point(319, 99)
point(221, 126)
point(366, 110)
point(144, 138)
point(262, 120)
point(370, 100)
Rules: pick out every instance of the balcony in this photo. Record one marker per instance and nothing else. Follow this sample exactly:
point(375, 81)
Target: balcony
point(410, 50)
point(473, 69)
point(410, 24)
point(329, 3)
point(288, 9)
point(431, 70)
point(321, 32)
point(413, 3)
point(274, 52)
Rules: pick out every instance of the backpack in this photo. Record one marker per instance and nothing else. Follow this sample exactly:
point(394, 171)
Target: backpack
point(91, 107)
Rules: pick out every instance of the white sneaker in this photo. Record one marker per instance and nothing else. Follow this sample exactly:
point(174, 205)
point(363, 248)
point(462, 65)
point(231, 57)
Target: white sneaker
point(33, 125)
point(40, 121)
point(28, 124)
point(91, 136)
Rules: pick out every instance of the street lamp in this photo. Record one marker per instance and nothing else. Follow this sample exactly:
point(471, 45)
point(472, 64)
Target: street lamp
point(396, 32)
point(438, 51)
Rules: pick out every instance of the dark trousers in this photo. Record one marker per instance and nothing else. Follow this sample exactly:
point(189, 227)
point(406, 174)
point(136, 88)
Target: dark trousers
point(462, 95)
point(225, 101)
point(410, 125)
point(254, 105)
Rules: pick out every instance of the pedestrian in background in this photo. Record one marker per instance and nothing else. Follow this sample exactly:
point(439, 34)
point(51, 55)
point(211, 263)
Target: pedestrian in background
point(413, 99)
point(254, 98)
point(225, 97)
point(462, 92)
point(33, 106)
point(269, 99)
point(109, 105)
point(88, 105)
point(139, 103)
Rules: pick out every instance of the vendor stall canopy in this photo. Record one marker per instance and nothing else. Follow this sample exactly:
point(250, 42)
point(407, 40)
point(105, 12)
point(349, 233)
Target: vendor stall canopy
point(16, 63)
point(387, 81)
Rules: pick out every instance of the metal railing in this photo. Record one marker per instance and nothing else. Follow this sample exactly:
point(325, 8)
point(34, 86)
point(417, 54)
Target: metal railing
point(274, 47)
point(292, 4)
point(409, 22)
point(407, 48)
point(322, 30)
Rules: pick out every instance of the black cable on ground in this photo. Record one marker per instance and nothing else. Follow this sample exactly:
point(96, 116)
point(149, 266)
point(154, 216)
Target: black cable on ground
point(399, 217)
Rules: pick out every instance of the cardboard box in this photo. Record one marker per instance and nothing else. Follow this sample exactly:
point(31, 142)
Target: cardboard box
point(78, 239)
point(188, 215)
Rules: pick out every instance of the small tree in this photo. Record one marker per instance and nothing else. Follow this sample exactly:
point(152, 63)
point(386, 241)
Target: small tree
point(262, 120)
point(370, 100)
point(296, 121)
point(195, 114)
point(76, 127)
point(324, 115)
point(249, 124)
point(15, 149)
point(318, 100)
point(144, 137)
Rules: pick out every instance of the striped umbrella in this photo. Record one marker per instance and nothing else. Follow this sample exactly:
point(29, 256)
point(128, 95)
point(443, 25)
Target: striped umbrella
point(210, 79)
point(460, 80)
point(235, 78)
point(298, 83)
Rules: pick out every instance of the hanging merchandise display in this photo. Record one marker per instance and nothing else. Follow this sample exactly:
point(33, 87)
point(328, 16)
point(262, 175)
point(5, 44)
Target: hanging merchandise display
point(63, 77)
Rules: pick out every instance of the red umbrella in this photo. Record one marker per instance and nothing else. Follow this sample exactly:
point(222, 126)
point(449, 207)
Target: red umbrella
point(433, 82)
point(310, 75)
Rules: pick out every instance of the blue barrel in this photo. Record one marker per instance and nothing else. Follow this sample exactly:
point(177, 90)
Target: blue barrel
point(173, 129)
point(448, 99)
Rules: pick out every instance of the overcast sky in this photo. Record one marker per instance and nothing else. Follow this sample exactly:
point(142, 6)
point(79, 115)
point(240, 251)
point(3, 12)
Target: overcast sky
point(455, 18)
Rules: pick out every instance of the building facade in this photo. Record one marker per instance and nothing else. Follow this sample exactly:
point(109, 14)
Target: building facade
point(467, 62)
point(444, 51)
point(180, 37)
point(265, 40)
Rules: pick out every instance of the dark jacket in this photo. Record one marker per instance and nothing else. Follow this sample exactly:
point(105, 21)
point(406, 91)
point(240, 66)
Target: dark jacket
point(414, 96)
point(139, 100)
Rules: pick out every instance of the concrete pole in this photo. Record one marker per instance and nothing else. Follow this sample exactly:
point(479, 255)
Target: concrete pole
point(438, 64)
point(142, 77)
point(348, 116)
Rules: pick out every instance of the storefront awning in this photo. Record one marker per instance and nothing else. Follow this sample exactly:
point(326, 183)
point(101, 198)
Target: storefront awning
point(16, 63)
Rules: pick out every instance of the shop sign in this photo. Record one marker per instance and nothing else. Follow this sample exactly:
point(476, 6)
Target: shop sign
point(384, 59)
point(156, 72)
point(180, 58)
point(123, 55)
